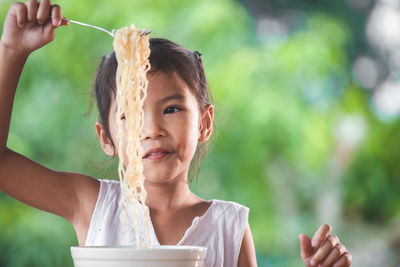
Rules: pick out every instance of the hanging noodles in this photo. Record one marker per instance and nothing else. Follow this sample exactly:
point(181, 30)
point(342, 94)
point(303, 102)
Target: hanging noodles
point(132, 52)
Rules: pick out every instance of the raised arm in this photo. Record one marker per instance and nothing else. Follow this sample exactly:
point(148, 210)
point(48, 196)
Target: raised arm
point(72, 196)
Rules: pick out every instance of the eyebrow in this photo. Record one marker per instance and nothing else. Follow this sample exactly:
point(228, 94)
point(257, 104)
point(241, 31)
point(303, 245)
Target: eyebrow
point(177, 96)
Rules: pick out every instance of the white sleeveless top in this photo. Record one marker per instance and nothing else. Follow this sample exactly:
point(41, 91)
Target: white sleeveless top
point(220, 229)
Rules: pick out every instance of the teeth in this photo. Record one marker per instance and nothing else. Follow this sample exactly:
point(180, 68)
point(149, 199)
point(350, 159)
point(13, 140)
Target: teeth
point(158, 153)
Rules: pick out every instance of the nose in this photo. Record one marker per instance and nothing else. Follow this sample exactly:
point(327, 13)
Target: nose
point(152, 127)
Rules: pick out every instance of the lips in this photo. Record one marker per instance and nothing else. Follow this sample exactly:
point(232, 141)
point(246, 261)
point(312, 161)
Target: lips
point(156, 153)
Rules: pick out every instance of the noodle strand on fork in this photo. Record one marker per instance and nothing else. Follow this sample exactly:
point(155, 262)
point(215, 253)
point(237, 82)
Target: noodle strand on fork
point(132, 52)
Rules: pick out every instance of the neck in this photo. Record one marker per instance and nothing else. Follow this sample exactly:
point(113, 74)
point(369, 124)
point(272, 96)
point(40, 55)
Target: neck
point(167, 196)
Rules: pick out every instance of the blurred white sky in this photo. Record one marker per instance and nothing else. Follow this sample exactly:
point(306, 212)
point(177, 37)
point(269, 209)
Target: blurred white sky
point(383, 32)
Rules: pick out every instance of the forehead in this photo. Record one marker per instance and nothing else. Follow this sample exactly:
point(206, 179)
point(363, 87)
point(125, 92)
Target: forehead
point(162, 85)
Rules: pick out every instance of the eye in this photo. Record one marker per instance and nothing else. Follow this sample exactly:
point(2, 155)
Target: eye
point(171, 109)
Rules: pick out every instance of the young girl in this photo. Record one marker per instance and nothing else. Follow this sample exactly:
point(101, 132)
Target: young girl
point(178, 119)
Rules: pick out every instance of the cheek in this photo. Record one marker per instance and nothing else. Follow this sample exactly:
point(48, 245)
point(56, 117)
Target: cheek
point(116, 140)
point(114, 132)
point(188, 137)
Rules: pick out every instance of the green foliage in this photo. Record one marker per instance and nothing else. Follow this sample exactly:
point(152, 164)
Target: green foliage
point(279, 103)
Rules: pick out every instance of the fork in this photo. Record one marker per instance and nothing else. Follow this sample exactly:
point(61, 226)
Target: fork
point(145, 32)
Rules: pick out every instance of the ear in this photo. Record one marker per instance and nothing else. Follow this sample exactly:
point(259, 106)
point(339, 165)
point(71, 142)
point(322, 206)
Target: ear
point(206, 123)
point(105, 142)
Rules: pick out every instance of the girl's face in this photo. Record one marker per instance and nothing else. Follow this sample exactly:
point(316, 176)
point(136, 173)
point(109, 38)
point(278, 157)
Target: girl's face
point(173, 126)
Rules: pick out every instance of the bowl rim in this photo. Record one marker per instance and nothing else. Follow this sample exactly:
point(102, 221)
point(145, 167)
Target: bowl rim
point(128, 253)
point(160, 247)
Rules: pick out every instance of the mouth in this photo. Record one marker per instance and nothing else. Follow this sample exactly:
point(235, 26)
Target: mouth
point(157, 153)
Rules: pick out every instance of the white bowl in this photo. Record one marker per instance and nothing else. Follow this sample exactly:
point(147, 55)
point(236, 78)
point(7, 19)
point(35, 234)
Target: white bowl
point(166, 256)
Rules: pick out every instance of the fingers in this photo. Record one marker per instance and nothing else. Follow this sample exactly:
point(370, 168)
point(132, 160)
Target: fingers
point(64, 22)
point(19, 10)
point(32, 7)
point(325, 249)
point(56, 15)
point(42, 15)
point(334, 255)
point(321, 234)
point(344, 261)
point(306, 249)
point(35, 12)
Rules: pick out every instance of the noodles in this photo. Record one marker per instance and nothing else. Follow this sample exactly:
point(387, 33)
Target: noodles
point(132, 52)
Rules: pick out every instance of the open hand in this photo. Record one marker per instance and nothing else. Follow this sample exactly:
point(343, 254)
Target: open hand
point(28, 26)
point(324, 249)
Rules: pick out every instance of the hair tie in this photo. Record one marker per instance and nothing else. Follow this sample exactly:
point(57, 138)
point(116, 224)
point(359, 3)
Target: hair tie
point(197, 54)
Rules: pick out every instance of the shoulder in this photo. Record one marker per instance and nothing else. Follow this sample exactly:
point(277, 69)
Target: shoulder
point(231, 219)
point(103, 207)
point(236, 215)
point(109, 185)
point(109, 190)
point(229, 208)
point(109, 182)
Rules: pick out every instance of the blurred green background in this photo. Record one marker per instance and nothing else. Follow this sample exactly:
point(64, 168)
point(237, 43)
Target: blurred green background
point(307, 97)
